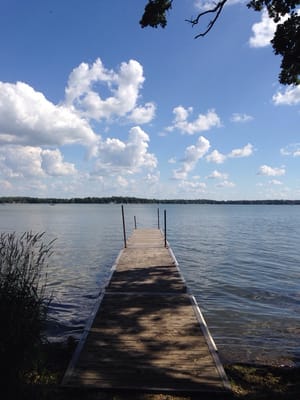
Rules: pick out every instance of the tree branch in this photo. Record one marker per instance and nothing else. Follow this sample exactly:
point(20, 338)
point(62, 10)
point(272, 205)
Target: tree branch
point(216, 10)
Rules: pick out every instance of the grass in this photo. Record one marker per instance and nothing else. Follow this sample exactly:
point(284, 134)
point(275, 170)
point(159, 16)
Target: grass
point(23, 302)
point(264, 382)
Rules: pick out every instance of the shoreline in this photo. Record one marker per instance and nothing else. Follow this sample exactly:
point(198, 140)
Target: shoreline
point(136, 200)
point(248, 381)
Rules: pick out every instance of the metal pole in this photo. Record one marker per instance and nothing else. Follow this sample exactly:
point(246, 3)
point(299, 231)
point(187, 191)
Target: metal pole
point(158, 226)
point(165, 220)
point(124, 228)
point(134, 222)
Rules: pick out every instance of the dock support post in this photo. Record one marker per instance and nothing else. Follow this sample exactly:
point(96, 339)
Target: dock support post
point(134, 222)
point(165, 223)
point(124, 228)
point(158, 226)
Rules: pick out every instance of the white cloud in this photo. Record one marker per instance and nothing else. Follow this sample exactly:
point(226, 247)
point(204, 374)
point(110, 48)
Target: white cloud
point(203, 122)
point(118, 157)
point(217, 175)
point(152, 179)
point(5, 185)
point(236, 117)
point(275, 182)
point(121, 181)
point(245, 151)
point(28, 118)
point(192, 186)
point(269, 171)
point(290, 96)
point(192, 154)
point(28, 161)
point(32, 129)
point(291, 150)
point(53, 164)
point(264, 30)
point(83, 92)
point(82, 78)
point(216, 157)
point(204, 5)
point(143, 115)
point(226, 184)
point(172, 160)
point(19, 161)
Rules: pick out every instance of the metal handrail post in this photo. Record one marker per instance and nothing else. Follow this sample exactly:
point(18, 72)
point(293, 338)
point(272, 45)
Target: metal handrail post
point(165, 223)
point(124, 228)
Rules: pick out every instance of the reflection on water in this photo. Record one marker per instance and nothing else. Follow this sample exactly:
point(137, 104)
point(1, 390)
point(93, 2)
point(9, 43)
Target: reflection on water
point(240, 262)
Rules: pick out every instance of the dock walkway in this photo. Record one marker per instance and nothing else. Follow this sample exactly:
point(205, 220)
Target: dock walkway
point(148, 333)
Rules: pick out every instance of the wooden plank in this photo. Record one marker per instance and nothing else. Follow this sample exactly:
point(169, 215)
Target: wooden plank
point(147, 333)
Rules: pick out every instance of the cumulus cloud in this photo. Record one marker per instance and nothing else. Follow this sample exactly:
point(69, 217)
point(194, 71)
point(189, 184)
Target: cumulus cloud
point(121, 181)
point(204, 5)
point(217, 175)
point(192, 154)
point(291, 150)
point(264, 30)
point(28, 118)
point(216, 157)
point(82, 78)
point(29, 161)
point(245, 151)
point(53, 164)
point(152, 178)
point(269, 171)
point(5, 185)
point(119, 157)
point(192, 186)
point(83, 92)
point(226, 184)
point(203, 122)
point(290, 96)
point(236, 117)
point(275, 182)
point(32, 128)
point(19, 161)
point(142, 115)
point(172, 160)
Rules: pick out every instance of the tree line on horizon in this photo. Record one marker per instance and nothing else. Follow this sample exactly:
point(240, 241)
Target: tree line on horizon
point(133, 200)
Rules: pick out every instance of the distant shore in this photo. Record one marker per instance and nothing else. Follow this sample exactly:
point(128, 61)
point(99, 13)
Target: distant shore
point(136, 200)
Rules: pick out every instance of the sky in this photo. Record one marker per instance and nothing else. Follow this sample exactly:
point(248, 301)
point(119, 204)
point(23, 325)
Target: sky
point(91, 104)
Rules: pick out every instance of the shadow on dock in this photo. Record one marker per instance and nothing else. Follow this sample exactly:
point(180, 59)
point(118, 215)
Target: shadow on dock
point(147, 334)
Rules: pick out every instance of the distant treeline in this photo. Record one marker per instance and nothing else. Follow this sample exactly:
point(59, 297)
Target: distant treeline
point(135, 200)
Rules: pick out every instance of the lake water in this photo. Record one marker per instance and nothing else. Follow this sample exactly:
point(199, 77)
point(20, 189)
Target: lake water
point(241, 262)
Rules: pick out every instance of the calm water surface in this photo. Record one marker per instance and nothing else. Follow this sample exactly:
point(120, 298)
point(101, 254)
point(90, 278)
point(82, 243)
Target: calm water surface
point(241, 262)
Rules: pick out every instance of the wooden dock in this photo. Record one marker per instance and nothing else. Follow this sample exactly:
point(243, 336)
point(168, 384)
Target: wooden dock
point(147, 332)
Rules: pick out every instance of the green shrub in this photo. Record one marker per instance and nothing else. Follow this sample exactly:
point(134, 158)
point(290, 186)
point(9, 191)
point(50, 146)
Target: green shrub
point(24, 300)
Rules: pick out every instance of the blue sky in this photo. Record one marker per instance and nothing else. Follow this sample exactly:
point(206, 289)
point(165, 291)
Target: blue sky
point(93, 105)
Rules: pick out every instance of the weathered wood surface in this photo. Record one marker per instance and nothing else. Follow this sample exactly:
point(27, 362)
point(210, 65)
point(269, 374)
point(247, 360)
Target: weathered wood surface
point(147, 333)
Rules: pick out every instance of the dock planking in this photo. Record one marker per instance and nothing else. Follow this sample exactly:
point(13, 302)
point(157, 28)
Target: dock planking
point(148, 333)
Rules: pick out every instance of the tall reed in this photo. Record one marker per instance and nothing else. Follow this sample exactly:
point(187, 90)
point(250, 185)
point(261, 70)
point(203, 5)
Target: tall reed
point(24, 300)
